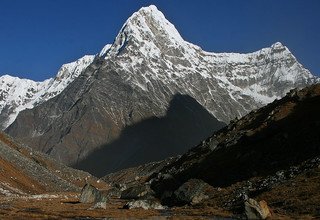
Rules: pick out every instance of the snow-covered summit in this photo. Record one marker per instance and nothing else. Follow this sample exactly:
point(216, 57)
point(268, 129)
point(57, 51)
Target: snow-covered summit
point(17, 94)
point(148, 18)
point(146, 25)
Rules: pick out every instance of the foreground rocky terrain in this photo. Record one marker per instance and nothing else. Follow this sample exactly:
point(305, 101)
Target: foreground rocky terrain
point(264, 165)
point(270, 155)
point(151, 95)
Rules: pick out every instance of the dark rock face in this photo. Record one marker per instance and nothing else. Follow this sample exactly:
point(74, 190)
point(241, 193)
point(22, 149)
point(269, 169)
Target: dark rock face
point(89, 194)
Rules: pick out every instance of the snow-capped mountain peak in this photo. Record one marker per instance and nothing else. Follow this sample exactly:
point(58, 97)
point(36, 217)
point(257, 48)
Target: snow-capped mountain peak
point(150, 49)
point(148, 25)
point(149, 18)
point(147, 67)
point(278, 45)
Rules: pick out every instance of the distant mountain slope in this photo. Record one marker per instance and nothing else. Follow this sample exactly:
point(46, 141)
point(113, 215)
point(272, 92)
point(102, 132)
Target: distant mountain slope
point(18, 94)
point(136, 78)
point(186, 123)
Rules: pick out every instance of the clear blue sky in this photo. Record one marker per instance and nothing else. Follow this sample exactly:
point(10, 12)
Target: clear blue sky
point(37, 36)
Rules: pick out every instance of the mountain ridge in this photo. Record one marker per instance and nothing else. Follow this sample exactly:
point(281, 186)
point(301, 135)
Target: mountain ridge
point(136, 78)
point(17, 94)
point(112, 49)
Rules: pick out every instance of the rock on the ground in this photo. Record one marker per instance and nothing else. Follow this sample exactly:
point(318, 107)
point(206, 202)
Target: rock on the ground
point(137, 191)
point(144, 204)
point(113, 192)
point(257, 210)
point(100, 205)
point(89, 194)
point(193, 191)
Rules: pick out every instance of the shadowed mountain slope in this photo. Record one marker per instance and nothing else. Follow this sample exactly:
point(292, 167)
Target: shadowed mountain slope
point(185, 123)
point(280, 135)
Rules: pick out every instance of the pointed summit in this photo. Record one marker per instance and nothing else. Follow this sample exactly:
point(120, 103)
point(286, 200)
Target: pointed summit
point(151, 19)
point(279, 50)
point(277, 45)
point(147, 27)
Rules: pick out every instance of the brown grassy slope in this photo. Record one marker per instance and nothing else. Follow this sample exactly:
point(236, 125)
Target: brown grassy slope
point(28, 171)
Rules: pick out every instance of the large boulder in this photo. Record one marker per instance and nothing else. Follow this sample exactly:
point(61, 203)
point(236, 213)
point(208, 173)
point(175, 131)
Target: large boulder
point(164, 185)
point(144, 204)
point(89, 194)
point(193, 191)
point(137, 192)
point(257, 210)
point(112, 192)
point(100, 205)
